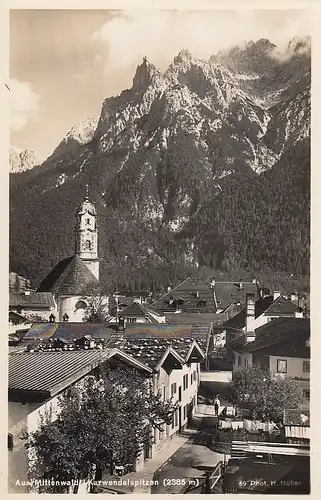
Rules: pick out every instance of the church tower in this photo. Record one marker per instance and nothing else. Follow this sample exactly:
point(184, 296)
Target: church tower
point(87, 235)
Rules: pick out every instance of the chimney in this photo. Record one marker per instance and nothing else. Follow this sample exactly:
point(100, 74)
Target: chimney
point(197, 293)
point(168, 289)
point(241, 284)
point(121, 324)
point(250, 317)
point(294, 297)
point(298, 313)
point(276, 294)
point(26, 292)
point(212, 282)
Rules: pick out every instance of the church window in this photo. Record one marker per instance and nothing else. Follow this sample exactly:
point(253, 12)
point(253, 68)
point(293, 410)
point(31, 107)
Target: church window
point(81, 305)
point(87, 245)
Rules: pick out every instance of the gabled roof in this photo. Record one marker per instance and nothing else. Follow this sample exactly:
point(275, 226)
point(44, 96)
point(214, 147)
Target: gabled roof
point(275, 332)
point(226, 293)
point(40, 375)
point(70, 276)
point(186, 292)
point(281, 305)
point(34, 299)
point(238, 321)
point(297, 417)
point(17, 316)
point(48, 373)
point(229, 292)
point(138, 310)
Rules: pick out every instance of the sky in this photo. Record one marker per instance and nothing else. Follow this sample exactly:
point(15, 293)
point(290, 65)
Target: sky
point(64, 63)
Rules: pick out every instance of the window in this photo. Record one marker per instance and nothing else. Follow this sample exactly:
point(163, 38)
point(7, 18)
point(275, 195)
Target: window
point(239, 361)
point(88, 222)
point(173, 389)
point(185, 382)
point(176, 418)
point(191, 378)
point(81, 305)
point(131, 320)
point(306, 366)
point(282, 366)
point(194, 375)
point(306, 393)
point(87, 245)
point(10, 442)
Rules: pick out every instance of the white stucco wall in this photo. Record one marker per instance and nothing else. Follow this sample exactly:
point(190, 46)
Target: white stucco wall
point(23, 417)
point(294, 366)
point(219, 376)
point(245, 359)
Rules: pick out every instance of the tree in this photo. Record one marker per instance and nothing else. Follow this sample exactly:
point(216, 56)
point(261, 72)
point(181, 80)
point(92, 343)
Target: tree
point(256, 389)
point(97, 310)
point(103, 422)
point(35, 318)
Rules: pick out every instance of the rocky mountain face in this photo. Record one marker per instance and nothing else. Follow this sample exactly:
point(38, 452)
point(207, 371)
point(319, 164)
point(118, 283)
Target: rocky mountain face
point(163, 153)
point(20, 161)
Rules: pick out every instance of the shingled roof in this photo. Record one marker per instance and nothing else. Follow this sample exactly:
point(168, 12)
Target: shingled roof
point(239, 320)
point(69, 331)
point(37, 299)
point(70, 276)
point(138, 310)
point(226, 293)
point(191, 301)
point(281, 305)
point(276, 331)
point(233, 292)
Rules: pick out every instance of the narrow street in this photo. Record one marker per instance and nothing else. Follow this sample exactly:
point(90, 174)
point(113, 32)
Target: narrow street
point(192, 459)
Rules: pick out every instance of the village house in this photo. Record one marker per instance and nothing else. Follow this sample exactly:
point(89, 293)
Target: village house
point(138, 313)
point(30, 304)
point(282, 345)
point(194, 295)
point(258, 312)
point(169, 356)
point(36, 379)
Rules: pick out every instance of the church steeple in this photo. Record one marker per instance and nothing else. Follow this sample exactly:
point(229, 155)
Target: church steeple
point(87, 235)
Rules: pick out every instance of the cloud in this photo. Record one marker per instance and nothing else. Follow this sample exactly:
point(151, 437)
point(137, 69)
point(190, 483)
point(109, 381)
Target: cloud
point(24, 104)
point(161, 34)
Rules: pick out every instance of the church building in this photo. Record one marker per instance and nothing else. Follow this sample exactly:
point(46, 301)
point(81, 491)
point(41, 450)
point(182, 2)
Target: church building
point(73, 280)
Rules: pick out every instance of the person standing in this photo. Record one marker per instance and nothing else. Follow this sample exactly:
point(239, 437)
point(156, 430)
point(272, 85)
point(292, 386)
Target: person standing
point(217, 405)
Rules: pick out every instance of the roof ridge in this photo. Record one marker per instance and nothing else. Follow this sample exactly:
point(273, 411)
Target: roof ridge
point(160, 298)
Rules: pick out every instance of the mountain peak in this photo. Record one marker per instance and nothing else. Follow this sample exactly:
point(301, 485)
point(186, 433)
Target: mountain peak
point(300, 45)
point(144, 74)
point(183, 56)
point(21, 160)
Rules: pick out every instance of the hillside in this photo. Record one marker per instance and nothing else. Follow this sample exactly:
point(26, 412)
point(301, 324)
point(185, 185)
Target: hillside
point(185, 167)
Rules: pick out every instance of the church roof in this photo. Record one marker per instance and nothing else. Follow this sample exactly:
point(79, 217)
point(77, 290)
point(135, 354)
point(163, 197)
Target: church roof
point(70, 276)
